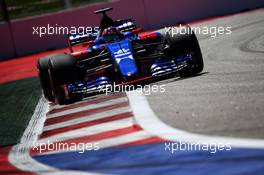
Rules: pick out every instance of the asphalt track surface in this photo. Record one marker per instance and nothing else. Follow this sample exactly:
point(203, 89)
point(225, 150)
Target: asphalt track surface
point(227, 99)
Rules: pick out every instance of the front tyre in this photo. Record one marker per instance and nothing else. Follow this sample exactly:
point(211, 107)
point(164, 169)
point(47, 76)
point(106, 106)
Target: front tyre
point(187, 43)
point(43, 67)
point(62, 70)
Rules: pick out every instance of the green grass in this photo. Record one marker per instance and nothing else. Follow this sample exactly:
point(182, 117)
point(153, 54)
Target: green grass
point(17, 103)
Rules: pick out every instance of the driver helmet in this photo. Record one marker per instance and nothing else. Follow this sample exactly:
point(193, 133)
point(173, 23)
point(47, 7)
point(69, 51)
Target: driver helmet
point(111, 33)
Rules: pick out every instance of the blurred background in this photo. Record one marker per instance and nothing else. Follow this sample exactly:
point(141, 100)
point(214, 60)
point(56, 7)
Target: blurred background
point(22, 9)
point(18, 18)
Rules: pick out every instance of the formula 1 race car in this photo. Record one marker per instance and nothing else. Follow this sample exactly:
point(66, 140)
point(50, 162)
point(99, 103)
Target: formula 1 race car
point(119, 53)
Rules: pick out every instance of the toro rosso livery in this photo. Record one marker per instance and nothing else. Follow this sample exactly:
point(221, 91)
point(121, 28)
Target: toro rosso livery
point(119, 53)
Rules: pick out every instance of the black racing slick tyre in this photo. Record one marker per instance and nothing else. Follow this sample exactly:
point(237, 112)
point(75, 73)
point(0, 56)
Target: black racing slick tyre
point(43, 66)
point(184, 44)
point(62, 69)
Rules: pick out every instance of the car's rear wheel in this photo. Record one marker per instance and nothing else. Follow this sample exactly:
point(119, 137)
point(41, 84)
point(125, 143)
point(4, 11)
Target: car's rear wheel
point(187, 43)
point(62, 70)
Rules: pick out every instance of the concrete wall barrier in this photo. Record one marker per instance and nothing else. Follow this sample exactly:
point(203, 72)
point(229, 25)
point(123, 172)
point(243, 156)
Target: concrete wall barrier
point(149, 14)
point(162, 13)
point(6, 46)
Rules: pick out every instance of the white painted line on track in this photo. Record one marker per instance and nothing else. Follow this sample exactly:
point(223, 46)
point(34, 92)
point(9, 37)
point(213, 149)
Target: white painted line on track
point(147, 119)
point(91, 130)
point(88, 107)
point(135, 136)
point(111, 142)
point(87, 118)
point(19, 155)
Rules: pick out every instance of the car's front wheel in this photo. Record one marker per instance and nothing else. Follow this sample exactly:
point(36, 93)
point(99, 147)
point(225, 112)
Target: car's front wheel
point(62, 70)
point(43, 67)
point(187, 43)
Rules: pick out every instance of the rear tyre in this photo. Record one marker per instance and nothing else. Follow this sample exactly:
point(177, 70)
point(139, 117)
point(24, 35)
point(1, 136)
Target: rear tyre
point(184, 44)
point(62, 70)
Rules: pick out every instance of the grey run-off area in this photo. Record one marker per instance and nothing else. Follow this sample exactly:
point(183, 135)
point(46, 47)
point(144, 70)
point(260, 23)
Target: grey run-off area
point(227, 99)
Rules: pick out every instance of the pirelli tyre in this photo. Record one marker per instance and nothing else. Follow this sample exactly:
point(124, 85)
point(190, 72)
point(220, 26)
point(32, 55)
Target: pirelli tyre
point(43, 66)
point(186, 43)
point(62, 69)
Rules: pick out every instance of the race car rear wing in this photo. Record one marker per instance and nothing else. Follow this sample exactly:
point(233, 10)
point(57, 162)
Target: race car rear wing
point(80, 38)
point(125, 25)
